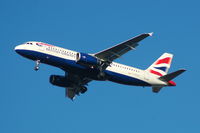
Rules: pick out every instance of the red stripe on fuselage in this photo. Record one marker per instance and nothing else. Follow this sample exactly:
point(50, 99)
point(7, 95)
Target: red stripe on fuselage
point(45, 44)
point(165, 60)
point(156, 73)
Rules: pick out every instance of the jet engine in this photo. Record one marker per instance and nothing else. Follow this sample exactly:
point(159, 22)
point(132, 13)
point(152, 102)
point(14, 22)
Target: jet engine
point(59, 80)
point(63, 82)
point(87, 60)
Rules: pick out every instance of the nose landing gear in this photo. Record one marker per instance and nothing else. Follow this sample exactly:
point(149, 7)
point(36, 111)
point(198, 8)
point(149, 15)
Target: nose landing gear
point(37, 65)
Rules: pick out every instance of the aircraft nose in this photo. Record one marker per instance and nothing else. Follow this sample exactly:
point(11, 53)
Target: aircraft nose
point(18, 48)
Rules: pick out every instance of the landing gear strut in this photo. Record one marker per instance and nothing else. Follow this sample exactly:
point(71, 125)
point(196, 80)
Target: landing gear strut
point(37, 65)
point(101, 74)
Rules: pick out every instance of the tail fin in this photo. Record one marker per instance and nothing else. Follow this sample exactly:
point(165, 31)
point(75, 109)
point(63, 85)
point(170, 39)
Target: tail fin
point(161, 66)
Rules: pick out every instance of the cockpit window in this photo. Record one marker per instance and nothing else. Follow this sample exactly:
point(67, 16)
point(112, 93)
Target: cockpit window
point(40, 44)
point(29, 43)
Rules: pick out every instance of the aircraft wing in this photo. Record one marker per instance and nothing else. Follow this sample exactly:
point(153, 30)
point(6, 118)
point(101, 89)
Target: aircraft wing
point(118, 50)
point(77, 82)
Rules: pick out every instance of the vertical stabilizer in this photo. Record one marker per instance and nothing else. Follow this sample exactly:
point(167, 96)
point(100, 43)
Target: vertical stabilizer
point(161, 66)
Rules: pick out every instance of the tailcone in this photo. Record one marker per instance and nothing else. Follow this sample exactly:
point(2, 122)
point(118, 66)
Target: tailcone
point(171, 83)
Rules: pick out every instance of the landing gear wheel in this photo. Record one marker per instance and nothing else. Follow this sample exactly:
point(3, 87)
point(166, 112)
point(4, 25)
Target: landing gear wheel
point(83, 90)
point(37, 65)
point(36, 68)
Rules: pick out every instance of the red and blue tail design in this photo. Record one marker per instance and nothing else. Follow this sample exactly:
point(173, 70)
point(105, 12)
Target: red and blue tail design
point(161, 66)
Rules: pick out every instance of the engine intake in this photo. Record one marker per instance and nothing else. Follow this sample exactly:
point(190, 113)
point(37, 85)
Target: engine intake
point(59, 80)
point(87, 60)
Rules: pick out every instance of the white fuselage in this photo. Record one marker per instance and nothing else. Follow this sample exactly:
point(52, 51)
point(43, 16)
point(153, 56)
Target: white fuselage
point(35, 50)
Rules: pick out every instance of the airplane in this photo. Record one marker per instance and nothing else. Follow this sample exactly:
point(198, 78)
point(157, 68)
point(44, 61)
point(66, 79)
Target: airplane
point(81, 68)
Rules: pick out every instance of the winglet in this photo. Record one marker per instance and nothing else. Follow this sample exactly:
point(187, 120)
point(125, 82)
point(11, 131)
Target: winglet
point(150, 34)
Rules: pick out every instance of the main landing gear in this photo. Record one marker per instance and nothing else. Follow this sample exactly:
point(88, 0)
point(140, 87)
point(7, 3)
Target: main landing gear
point(37, 65)
point(83, 90)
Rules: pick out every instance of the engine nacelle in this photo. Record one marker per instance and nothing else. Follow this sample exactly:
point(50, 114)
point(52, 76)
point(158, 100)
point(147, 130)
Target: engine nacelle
point(59, 81)
point(87, 60)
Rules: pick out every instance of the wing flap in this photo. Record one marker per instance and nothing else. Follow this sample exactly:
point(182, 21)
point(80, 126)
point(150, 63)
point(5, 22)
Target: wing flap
point(70, 93)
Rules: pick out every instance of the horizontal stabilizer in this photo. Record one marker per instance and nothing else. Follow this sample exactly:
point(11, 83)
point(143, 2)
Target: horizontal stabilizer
point(156, 89)
point(172, 75)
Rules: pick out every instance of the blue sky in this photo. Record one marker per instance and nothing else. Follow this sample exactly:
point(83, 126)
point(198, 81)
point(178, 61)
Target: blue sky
point(29, 103)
